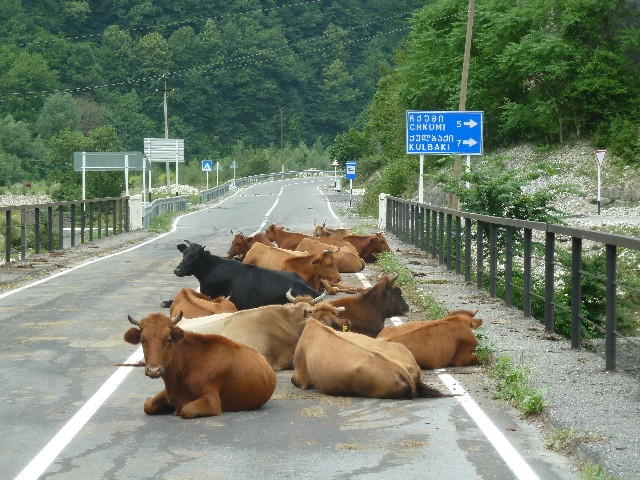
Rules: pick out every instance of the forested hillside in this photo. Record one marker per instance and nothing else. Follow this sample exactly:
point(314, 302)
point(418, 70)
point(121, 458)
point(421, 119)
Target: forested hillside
point(270, 83)
point(250, 73)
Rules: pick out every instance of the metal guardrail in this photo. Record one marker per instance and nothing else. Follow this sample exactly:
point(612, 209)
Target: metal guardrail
point(54, 226)
point(516, 247)
point(162, 205)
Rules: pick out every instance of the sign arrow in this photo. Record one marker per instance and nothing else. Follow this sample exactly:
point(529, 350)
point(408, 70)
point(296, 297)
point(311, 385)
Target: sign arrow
point(471, 124)
point(471, 142)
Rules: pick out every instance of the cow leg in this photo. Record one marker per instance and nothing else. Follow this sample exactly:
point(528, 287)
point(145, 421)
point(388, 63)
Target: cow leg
point(158, 404)
point(464, 358)
point(207, 406)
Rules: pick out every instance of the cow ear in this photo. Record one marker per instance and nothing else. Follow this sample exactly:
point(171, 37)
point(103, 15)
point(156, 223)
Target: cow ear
point(182, 247)
point(177, 335)
point(132, 336)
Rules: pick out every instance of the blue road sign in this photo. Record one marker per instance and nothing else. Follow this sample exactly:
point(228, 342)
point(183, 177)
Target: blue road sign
point(351, 170)
point(207, 165)
point(444, 133)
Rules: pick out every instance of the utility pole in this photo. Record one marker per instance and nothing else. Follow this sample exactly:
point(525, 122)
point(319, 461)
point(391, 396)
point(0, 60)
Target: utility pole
point(166, 132)
point(463, 91)
point(281, 141)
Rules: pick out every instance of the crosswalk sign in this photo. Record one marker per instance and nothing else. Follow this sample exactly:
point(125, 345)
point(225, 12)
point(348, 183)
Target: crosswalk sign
point(207, 165)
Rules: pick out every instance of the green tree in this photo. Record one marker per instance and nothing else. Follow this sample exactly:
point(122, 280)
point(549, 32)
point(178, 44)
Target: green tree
point(23, 83)
point(60, 111)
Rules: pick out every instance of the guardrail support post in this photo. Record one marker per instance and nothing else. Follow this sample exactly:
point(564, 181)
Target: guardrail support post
point(610, 326)
point(576, 291)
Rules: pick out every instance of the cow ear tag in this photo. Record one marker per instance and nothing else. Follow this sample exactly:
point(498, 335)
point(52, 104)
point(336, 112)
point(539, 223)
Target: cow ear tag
point(345, 328)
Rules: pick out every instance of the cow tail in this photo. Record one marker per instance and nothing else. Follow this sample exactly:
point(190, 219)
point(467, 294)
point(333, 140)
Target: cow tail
point(425, 391)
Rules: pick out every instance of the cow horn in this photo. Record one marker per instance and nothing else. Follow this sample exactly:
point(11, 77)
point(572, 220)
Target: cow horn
point(228, 297)
point(340, 309)
point(319, 298)
point(133, 321)
point(177, 318)
point(325, 222)
point(290, 297)
point(188, 242)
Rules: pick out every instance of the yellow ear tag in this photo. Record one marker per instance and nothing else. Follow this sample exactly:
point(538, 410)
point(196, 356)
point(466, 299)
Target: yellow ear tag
point(345, 328)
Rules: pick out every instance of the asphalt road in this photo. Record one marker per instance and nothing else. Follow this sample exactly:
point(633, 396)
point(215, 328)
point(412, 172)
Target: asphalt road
point(67, 413)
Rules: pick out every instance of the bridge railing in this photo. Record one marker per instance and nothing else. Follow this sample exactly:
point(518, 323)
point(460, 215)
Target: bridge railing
point(31, 229)
point(526, 264)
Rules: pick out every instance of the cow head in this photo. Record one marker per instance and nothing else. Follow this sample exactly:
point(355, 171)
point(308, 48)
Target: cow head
point(389, 295)
point(272, 231)
point(326, 266)
point(239, 246)
point(191, 255)
point(157, 334)
point(320, 231)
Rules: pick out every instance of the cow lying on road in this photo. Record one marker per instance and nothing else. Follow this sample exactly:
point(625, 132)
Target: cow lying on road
point(273, 330)
point(346, 260)
point(194, 304)
point(366, 312)
point(284, 239)
point(346, 363)
point(241, 244)
point(247, 285)
point(369, 246)
point(322, 231)
point(203, 375)
point(447, 342)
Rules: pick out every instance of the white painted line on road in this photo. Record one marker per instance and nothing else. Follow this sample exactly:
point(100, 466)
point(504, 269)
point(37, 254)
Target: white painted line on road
point(509, 454)
point(330, 209)
point(48, 454)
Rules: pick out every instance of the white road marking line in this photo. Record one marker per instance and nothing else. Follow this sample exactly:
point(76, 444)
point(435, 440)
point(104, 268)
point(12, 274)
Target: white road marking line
point(509, 454)
point(329, 205)
point(48, 454)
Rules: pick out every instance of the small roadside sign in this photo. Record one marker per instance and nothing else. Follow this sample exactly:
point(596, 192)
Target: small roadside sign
point(207, 165)
point(335, 163)
point(600, 156)
point(351, 170)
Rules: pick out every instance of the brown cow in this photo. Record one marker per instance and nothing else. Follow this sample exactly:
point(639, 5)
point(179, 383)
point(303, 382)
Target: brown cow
point(284, 239)
point(343, 244)
point(346, 260)
point(203, 375)
point(441, 343)
point(322, 231)
point(318, 270)
point(194, 304)
point(369, 246)
point(366, 312)
point(347, 363)
point(241, 244)
point(273, 330)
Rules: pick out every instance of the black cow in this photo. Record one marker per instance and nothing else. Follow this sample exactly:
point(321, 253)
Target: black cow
point(248, 285)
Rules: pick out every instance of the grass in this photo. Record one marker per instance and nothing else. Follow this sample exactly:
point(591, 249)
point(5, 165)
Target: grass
point(511, 386)
point(163, 223)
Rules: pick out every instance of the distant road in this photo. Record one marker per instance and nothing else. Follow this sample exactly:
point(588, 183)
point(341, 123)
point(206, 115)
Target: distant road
point(67, 413)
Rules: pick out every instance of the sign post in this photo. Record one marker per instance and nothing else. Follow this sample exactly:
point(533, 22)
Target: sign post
point(207, 166)
point(443, 133)
point(350, 174)
point(335, 164)
point(600, 156)
point(217, 170)
point(233, 165)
